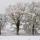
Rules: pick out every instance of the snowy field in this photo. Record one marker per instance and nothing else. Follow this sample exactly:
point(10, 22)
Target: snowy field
point(8, 31)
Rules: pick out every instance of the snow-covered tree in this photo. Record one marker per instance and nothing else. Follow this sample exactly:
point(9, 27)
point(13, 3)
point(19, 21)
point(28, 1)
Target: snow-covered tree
point(16, 12)
point(35, 11)
point(2, 21)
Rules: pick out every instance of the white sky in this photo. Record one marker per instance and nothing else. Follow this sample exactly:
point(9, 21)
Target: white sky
point(4, 4)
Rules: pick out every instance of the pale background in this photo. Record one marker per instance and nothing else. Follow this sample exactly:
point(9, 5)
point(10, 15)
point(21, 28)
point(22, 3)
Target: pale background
point(3, 5)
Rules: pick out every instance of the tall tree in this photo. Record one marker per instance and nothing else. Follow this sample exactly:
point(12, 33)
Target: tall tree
point(16, 12)
point(35, 12)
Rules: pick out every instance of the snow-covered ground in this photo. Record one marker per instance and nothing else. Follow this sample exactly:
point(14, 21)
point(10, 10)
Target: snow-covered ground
point(6, 31)
point(11, 33)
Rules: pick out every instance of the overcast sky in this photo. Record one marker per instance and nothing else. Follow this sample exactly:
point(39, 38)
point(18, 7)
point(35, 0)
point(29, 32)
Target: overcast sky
point(4, 4)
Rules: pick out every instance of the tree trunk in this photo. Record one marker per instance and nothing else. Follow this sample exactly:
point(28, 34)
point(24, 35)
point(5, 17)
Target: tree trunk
point(18, 24)
point(33, 30)
point(17, 30)
point(0, 30)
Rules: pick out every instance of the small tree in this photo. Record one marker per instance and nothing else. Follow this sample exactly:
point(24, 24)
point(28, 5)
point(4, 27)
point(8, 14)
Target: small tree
point(2, 22)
